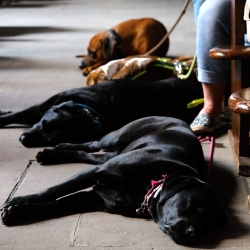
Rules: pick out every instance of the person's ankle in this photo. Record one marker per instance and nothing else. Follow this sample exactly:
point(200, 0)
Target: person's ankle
point(213, 113)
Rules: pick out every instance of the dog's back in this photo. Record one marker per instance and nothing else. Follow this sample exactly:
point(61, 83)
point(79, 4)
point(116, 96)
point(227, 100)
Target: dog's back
point(122, 101)
point(166, 135)
point(61, 118)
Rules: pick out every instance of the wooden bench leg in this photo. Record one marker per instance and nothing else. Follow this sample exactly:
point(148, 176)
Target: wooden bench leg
point(239, 139)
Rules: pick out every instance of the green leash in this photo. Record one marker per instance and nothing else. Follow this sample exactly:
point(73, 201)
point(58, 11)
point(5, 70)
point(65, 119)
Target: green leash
point(179, 68)
point(195, 103)
point(181, 76)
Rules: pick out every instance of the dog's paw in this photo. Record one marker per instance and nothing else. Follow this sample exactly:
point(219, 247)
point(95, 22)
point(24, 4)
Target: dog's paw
point(47, 157)
point(6, 215)
point(14, 201)
point(16, 214)
point(21, 200)
point(84, 72)
point(87, 70)
point(52, 156)
point(4, 112)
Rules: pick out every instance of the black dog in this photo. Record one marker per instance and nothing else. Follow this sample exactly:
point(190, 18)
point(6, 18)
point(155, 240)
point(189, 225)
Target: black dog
point(152, 148)
point(86, 114)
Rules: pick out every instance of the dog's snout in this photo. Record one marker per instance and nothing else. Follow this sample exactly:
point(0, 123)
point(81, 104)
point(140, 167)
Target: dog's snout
point(23, 140)
point(26, 140)
point(80, 66)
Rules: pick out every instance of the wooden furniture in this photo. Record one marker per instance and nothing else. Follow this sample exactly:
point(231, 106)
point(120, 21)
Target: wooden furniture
point(240, 78)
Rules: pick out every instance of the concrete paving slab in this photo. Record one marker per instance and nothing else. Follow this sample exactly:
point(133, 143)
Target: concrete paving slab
point(13, 149)
point(11, 171)
point(38, 44)
point(101, 248)
point(102, 229)
point(47, 233)
point(30, 93)
point(234, 234)
point(39, 177)
point(56, 232)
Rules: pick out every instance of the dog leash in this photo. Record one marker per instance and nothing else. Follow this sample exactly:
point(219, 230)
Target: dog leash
point(211, 139)
point(176, 67)
point(153, 192)
point(180, 72)
point(170, 31)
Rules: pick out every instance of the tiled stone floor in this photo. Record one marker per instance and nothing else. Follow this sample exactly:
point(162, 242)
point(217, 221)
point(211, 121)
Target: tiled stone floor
point(38, 44)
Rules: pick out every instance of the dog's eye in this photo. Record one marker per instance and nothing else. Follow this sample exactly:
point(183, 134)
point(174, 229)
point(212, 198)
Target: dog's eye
point(92, 54)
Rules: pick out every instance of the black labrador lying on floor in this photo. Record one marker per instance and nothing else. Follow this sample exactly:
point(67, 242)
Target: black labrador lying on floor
point(154, 148)
point(86, 114)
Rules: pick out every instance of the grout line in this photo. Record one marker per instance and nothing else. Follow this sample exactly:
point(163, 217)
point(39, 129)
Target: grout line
point(19, 181)
point(75, 232)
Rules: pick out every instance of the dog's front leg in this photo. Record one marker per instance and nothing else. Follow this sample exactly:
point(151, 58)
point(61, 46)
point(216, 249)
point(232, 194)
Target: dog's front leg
point(53, 156)
point(32, 212)
point(80, 181)
point(88, 69)
point(93, 146)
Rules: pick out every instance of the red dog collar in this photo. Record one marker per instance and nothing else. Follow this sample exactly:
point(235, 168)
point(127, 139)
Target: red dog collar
point(144, 210)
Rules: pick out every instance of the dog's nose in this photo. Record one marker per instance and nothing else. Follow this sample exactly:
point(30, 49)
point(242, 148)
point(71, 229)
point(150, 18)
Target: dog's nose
point(25, 141)
point(83, 65)
point(22, 139)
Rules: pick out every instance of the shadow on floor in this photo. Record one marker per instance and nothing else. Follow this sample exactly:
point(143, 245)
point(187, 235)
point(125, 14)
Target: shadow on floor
point(17, 31)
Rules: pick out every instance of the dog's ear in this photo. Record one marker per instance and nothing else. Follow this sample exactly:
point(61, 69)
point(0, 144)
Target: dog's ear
point(174, 184)
point(65, 105)
point(107, 47)
point(43, 108)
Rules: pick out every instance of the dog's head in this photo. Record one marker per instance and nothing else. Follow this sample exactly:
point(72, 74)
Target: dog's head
point(65, 122)
point(104, 46)
point(186, 209)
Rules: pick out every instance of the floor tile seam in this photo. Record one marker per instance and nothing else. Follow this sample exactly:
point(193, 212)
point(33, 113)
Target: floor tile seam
point(74, 236)
point(19, 182)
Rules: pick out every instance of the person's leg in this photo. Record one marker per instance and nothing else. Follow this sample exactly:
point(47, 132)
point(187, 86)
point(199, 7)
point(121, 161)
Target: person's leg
point(213, 97)
point(213, 29)
point(196, 6)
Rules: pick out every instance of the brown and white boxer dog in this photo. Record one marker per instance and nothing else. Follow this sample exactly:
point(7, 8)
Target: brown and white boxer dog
point(131, 37)
point(128, 67)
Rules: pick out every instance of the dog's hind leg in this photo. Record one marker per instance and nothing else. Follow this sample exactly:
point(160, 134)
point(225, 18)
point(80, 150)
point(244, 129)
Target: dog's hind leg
point(27, 116)
point(53, 156)
point(81, 202)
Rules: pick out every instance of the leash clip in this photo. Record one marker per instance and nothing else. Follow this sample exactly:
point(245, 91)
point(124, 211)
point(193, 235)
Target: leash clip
point(178, 67)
